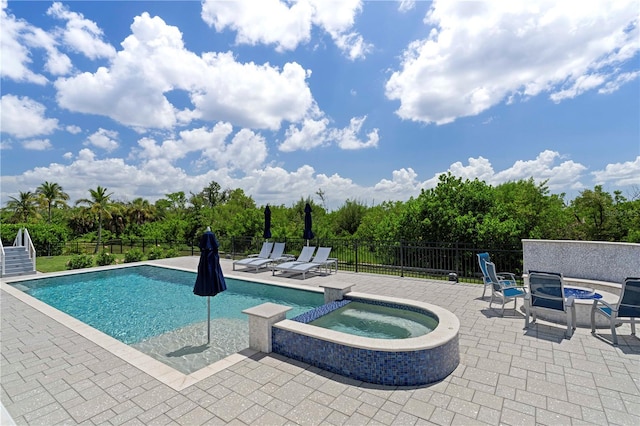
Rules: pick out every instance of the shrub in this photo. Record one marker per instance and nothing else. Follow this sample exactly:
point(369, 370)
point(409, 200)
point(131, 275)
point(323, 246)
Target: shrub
point(105, 258)
point(133, 255)
point(172, 252)
point(80, 261)
point(48, 239)
point(155, 253)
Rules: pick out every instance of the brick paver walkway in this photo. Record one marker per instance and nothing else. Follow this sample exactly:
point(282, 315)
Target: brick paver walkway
point(51, 374)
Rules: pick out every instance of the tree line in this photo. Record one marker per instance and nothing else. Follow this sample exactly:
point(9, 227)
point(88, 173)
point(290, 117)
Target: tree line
point(469, 212)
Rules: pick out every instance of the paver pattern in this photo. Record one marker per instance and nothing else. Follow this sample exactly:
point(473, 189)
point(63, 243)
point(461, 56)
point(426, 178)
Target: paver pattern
point(52, 375)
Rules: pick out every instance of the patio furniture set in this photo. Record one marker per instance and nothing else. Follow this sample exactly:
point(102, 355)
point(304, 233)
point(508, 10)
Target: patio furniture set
point(546, 291)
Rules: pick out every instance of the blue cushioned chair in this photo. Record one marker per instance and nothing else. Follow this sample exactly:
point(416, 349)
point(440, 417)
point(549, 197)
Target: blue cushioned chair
point(546, 291)
point(626, 310)
point(505, 289)
point(483, 258)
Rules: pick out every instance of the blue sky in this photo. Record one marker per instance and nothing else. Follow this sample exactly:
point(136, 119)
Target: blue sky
point(363, 100)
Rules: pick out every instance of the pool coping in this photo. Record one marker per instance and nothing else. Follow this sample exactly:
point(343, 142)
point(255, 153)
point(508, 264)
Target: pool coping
point(447, 329)
point(151, 366)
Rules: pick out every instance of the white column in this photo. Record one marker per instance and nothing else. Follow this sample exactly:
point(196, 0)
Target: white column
point(261, 318)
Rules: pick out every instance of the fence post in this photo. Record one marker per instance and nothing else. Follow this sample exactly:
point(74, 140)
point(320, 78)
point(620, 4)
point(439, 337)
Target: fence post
point(356, 249)
point(401, 258)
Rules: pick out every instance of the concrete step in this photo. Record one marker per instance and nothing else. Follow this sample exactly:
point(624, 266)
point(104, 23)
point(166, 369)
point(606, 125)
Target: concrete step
point(17, 262)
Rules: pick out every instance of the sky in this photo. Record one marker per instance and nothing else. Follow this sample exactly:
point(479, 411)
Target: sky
point(367, 101)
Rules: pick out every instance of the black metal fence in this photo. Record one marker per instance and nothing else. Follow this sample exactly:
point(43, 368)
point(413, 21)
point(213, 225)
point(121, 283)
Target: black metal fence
point(437, 260)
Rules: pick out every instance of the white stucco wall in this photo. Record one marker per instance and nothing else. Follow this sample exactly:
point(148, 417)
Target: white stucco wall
point(593, 260)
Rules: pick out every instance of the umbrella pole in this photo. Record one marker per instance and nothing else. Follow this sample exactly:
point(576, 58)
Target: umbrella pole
point(209, 319)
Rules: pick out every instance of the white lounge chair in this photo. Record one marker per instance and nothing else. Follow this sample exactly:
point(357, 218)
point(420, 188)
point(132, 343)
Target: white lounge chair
point(305, 256)
point(276, 256)
point(264, 254)
point(320, 260)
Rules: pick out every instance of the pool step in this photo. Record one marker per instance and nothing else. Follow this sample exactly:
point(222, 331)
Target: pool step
point(17, 262)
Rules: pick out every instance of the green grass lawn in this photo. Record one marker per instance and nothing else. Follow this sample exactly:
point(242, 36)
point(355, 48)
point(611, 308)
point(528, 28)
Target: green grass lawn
point(59, 263)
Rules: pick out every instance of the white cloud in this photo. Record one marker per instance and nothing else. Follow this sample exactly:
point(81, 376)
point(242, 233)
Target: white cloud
point(154, 62)
point(57, 63)
point(23, 117)
point(612, 86)
point(265, 22)
point(105, 139)
point(15, 55)
point(288, 24)
point(563, 176)
point(80, 34)
point(73, 129)
point(314, 133)
point(404, 181)
point(37, 144)
point(406, 5)
point(157, 176)
point(251, 95)
point(311, 134)
point(347, 138)
point(245, 152)
point(480, 54)
point(619, 174)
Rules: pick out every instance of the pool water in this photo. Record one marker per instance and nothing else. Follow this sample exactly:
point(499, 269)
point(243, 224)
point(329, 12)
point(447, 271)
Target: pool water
point(377, 321)
point(137, 303)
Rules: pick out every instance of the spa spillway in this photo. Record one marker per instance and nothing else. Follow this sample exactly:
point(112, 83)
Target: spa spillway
point(419, 345)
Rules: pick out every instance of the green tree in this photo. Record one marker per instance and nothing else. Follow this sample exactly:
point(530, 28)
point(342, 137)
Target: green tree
point(80, 221)
point(53, 196)
point(381, 222)
point(23, 207)
point(592, 211)
point(139, 211)
point(99, 204)
point(348, 217)
point(213, 195)
point(451, 212)
point(527, 210)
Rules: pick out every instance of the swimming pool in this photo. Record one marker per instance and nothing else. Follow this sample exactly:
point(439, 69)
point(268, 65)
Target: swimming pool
point(154, 310)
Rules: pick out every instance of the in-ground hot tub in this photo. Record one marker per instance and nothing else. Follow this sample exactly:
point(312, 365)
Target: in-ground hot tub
point(410, 361)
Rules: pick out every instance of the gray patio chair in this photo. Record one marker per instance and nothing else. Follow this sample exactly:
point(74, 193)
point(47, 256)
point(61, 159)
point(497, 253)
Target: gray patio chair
point(305, 256)
point(264, 254)
point(546, 291)
point(483, 258)
point(627, 310)
point(276, 256)
point(505, 289)
point(320, 260)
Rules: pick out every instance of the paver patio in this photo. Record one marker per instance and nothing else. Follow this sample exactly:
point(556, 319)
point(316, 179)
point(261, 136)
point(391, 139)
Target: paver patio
point(51, 374)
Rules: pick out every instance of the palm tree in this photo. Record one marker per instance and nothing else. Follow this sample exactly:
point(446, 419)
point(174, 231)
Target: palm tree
point(140, 211)
point(53, 195)
point(99, 204)
point(23, 207)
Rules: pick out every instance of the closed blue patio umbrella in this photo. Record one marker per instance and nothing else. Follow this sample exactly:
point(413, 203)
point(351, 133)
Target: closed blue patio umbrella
point(308, 233)
point(209, 280)
point(267, 223)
